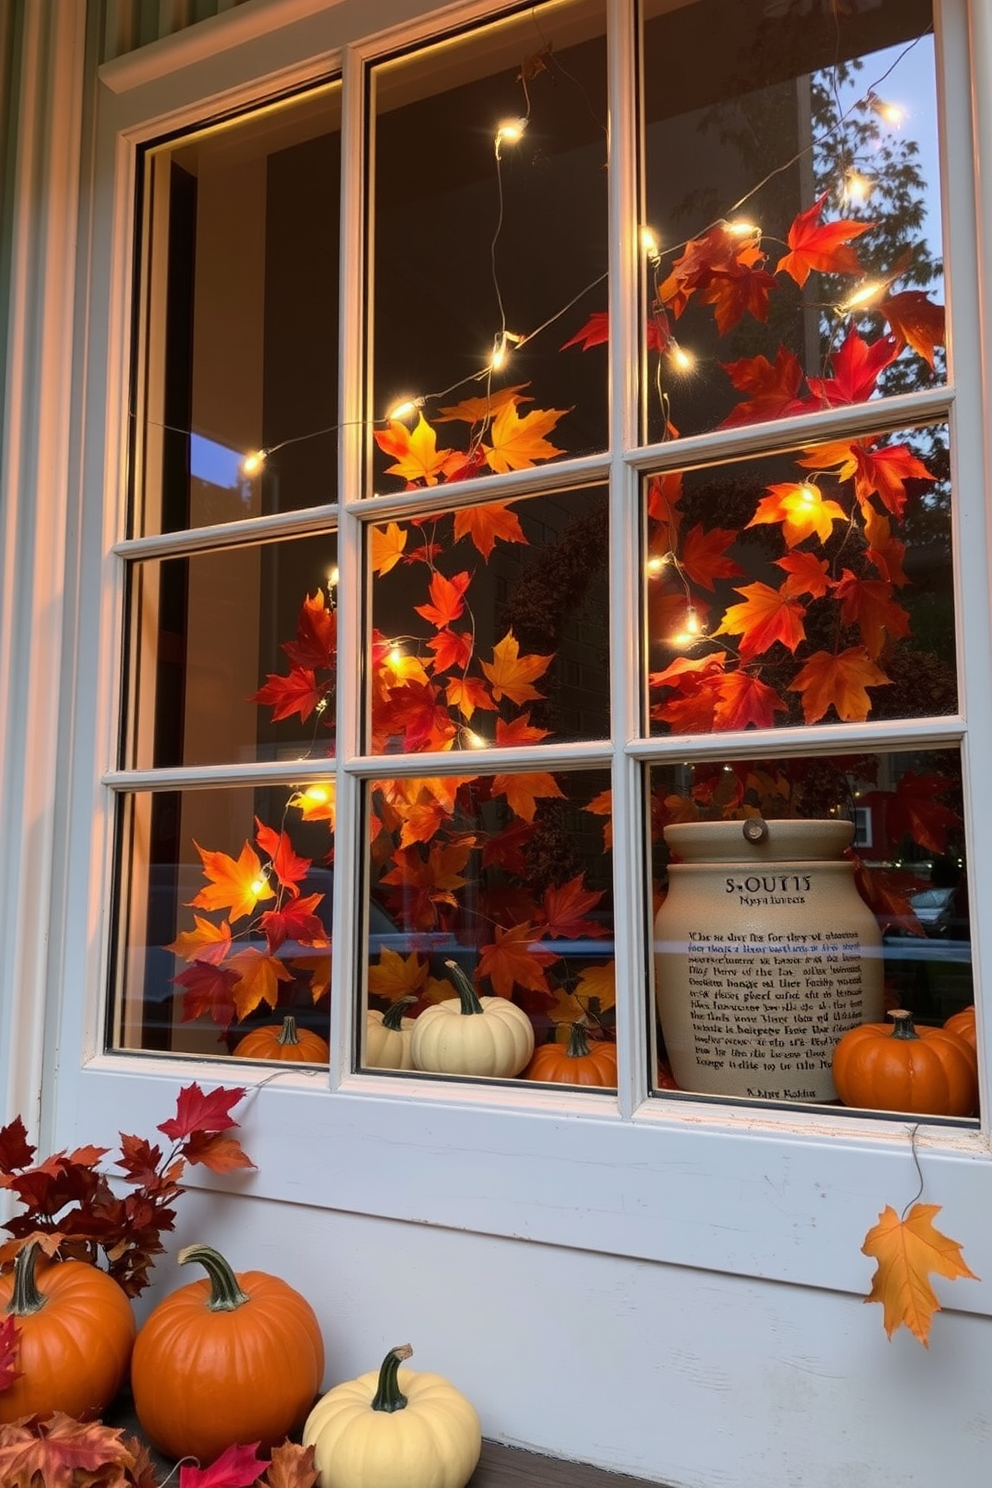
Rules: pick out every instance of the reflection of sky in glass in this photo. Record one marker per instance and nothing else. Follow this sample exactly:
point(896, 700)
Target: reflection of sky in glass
point(214, 463)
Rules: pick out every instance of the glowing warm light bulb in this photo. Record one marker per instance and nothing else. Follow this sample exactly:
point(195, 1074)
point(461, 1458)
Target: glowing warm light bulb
point(650, 245)
point(891, 113)
point(252, 463)
point(742, 229)
point(808, 493)
point(403, 410)
point(510, 132)
point(682, 360)
point(332, 577)
point(395, 657)
point(501, 348)
point(319, 795)
point(657, 563)
point(258, 887)
point(474, 740)
point(857, 188)
point(692, 629)
point(862, 297)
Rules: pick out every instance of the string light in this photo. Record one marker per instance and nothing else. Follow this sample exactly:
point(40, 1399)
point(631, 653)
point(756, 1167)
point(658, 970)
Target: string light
point(254, 462)
point(864, 296)
point(333, 577)
point(394, 657)
point(502, 342)
point(857, 187)
point(405, 409)
point(692, 631)
point(809, 493)
point(510, 132)
point(742, 229)
point(682, 360)
point(473, 740)
point(659, 561)
point(316, 795)
point(650, 246)
point(892, 113)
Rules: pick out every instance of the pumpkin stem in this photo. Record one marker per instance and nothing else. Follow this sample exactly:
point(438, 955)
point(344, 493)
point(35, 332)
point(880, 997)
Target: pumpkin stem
point(289, 1034)
point(388, 1395)
point(470, 1002)
point(903, 1021)
point(393, 1016)
point(225, 1294)
point(578, 1044)
point(25, 1298)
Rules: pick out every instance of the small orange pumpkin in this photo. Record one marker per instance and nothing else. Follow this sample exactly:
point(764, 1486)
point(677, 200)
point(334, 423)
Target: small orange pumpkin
point(963, 1024)
point(226, 1359)
point(76, 1330)
point(574, 1063)
point(924, 1071)
point(289, 1044)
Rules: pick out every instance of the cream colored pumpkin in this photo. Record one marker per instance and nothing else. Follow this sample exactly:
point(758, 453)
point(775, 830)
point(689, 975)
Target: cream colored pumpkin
point(394, 1429)
point(470, 1035)
point(387, 1037)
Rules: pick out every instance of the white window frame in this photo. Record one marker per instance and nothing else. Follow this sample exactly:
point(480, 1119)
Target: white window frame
point(775, 1193)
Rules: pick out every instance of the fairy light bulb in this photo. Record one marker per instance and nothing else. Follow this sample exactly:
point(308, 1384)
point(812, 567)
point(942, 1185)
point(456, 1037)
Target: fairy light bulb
point(691, 631)
point(502, 343)
point(865, 295)
point(317, 795)
point(405, 409)
point(892, 114)
point(510, 132)
point(258, 887)
point(742, 229)
point(253, 462)
point(655, 564)
point(394, 657)
point(474, 740)
point(333, 576)
point(808, 493)
point(857, 187)
point(650, 246)
point(682, 360)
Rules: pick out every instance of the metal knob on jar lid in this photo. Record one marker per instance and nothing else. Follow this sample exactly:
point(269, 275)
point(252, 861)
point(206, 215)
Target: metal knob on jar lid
point(755, 829)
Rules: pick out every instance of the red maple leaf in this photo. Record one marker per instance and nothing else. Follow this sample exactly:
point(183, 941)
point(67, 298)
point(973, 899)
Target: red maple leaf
point(451, 649)
point(868, 603)
point(703, 555)
point(288, 866)
point(514, 960)
point(773, 388)
point(766, 616)
point(915, 321)
point(505, 850)
point(139, 1160)
point(887, 892)
point(299, 692)
point(415, 711)
point(856, 368)
point(876, 471)
point(565, 910)
point(735, 288)
point(914, 810)
point(236, 1467)
point(295, 921)
point(744, 701)
point(208, 991)
point(823, 246)
point(15, 1149)
point(595, 332)
point(316, 634)
point(447, 598)
point(199, 1112)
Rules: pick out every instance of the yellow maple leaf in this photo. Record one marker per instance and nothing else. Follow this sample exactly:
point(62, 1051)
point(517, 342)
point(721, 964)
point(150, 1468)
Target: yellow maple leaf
point(388, 544)
point(907, 1250)
point(396, 975)
point(417, 455)
point(599, 982)
point(801, 509)
point(511, 674)
point(522, 791)
point(518, 443)
point(478, 410)
point(237, 886)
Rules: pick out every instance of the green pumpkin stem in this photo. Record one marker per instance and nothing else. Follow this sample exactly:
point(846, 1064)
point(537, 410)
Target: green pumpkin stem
point(388, 1395)
point(289, 1034)
point(470, 1002)
point(393, 1016)
point(578, 1044)
point(25, 1298)
point(903, 1021)
point(225, 1294)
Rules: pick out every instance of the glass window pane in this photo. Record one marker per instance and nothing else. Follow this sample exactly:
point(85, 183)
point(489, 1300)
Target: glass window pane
point(772, 940)
point(499, 884)
point(808, 587)
point(239, 279)
point(490, 221)
point(227, 921)
point(490, 625)
point(793, 201)
point(234, 654)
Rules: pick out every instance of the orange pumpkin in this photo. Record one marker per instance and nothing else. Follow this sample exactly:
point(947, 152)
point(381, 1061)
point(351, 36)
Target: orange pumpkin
point(963, 1024)
point(76, 1330)
point(574, 1063)
point(290, 1044)
point(924, 1071)
point(226, 1359)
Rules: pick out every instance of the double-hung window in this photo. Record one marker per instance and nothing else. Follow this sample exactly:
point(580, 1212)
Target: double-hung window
point(536, 435)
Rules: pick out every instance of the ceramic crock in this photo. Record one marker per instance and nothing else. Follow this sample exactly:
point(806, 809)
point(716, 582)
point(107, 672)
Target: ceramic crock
point(765, 953)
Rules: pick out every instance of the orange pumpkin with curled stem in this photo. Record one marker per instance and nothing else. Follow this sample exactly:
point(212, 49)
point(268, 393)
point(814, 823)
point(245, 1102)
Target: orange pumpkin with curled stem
point(288, 1044)
point(75, 1332)
point(576, 1063)
point(925, 1071)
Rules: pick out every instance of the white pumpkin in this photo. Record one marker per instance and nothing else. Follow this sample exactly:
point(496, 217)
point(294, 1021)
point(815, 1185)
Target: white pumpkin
point(394, 1429)
point(387, 1037)
point(471, 1035)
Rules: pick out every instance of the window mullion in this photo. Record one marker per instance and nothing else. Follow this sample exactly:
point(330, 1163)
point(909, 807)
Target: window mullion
point(628, 863)
point(352, 451)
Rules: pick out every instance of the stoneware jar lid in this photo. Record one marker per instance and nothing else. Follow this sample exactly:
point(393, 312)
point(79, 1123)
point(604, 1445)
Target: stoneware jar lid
point(755, 840)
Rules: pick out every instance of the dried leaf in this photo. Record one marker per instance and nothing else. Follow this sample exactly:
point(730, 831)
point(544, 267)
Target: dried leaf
point(907, 1251)
point(514, 960)
point(484, 524)
point(291, 1467)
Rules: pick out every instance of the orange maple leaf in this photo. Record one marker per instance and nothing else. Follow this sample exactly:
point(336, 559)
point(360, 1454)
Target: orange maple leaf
point(513, 959)
point(484, 524)
point(807, 574)
point(511, 674)
point(602, 805)
point(480, 410)
point(913, 810)
point(316, 801)
point(519, 730)
point(664, 496)
point(744, 701)
point(291, 1467)
point(838, 682)
point(884, 551)
point(397, 976)
point(417, 455)
point(907, 1251)
point(237, 886)
point(565, 909)
point(447, 598)
point(884, 470)
point(823, 246)
point(766, 616)
point(517, 443)
point(802, 510)
point(522, 791)
point(61, 1450)
point(868, 603)
point(287, 865)
point(9, 1335)
point(451, 649)
point(468, 693)
point(259, 975)
point(915, 321)
point(208, 942)
point(421, 822)
point(704, 555)
point(387, 547)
